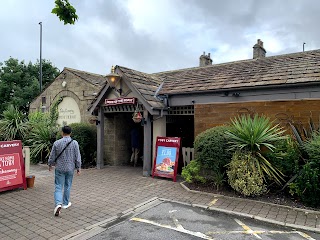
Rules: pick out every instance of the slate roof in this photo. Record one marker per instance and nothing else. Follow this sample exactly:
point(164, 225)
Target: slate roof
point(145, 84)
point(95, 79)
point(285, 69)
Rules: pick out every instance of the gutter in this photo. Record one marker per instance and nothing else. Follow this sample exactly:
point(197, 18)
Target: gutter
point(247, 88)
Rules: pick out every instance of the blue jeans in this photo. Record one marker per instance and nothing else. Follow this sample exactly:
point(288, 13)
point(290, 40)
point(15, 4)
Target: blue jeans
point(62, 180)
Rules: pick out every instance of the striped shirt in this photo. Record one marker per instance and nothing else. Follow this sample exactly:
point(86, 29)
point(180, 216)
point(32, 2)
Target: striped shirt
point(70, 159)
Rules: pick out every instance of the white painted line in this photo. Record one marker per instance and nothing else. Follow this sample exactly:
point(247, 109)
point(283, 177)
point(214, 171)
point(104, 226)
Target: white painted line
point(196, 234)
point(247, 229)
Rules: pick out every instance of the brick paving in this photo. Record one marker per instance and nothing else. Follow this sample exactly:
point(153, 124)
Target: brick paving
point(100, 194)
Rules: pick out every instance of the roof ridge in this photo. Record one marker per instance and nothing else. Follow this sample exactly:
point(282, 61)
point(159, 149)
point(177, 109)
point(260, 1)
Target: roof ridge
point(237, 61)
point(76, 70)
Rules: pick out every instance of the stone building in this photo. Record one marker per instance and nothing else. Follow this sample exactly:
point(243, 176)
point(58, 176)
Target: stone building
point(185, 102)
point(75, 90)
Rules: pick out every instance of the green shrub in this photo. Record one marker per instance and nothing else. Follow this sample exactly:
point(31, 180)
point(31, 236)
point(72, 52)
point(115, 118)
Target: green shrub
point(257, 135)
point(307, 185)
point(211, 149)
point(86, 136)
point(43, 130)
point(191, 173)
point(244, 176)
point(285, 156)
point(312, 148)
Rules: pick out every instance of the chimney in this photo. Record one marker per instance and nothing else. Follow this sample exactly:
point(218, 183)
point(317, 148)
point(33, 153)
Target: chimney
point(205, 60)
point(258, 50)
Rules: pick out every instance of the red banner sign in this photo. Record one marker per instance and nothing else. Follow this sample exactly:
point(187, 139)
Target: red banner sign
point(166, 158)
point(12, 173)
point(119, 101)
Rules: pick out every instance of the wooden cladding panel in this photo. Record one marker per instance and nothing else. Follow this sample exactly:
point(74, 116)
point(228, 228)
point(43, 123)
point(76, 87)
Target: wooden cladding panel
point(215, 114)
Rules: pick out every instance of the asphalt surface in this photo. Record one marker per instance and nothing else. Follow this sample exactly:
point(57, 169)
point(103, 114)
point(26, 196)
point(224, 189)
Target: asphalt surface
point(163, 220)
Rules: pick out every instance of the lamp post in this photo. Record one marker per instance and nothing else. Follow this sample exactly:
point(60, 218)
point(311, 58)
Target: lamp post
point(40, 23)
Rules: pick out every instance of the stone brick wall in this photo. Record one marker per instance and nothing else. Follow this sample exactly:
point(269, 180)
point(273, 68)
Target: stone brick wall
point(117, 145)
point(80, 90)
point(211, 115)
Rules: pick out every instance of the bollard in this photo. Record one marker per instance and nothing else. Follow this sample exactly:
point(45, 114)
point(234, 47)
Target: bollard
point(26, 156)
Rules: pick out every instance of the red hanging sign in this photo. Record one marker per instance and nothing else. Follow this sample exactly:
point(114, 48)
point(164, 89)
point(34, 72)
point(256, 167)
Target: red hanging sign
point(12, 172)
point(166, 158)
point(119, 101)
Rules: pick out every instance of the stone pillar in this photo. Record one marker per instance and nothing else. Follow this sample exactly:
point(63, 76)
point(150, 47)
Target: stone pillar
point(100, 138)
point(159, 130)
point(147, 145)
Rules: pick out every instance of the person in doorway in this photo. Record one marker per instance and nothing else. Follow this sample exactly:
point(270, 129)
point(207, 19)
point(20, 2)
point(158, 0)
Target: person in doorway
point(135, 145)
point(65, 156)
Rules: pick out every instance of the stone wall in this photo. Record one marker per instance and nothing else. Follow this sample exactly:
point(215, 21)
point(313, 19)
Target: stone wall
point(211, 115)
point(117, 145)
point(80, 90)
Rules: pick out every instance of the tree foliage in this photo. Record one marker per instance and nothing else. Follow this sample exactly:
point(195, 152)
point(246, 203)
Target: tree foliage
point(65, 11)
point(19, 83)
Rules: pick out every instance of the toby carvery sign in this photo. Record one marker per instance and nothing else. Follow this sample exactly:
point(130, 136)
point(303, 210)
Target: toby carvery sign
point(12, 174)
point(167, 156)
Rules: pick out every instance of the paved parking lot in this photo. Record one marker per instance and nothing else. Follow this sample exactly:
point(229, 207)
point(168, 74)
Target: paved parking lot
point(162, 219)
point(101, 194)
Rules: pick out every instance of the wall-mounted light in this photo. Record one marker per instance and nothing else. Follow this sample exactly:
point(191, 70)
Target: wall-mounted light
point(193, 102)
point(113, 79)
point(64, 84)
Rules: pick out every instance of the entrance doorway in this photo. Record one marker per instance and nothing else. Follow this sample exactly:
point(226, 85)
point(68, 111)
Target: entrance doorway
point(118, 132)
point(181, 126)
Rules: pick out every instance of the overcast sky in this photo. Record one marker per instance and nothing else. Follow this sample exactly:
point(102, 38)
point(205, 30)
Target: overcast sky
point(156, 35)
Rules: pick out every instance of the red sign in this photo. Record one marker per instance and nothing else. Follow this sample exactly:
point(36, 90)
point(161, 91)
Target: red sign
point(119, 101)
point(12, 173)
point(166, 158)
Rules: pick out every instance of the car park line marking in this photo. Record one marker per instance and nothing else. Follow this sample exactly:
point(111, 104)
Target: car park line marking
point(213, 202)
point(196, 234)
point(247, 229)
point(176, 222)
point(306, 236)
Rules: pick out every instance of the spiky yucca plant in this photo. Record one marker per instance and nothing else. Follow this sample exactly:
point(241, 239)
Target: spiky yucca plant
point(13, 125)
point(252, 135)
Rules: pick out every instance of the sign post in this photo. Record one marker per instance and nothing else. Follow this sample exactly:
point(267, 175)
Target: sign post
point(12, 172)
point(166, 157)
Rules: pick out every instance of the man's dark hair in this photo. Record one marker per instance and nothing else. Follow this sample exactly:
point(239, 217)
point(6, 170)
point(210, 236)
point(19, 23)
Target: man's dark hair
point(66, 129)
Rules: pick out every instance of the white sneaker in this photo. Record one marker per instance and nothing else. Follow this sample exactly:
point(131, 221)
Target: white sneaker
point(57, 209)
point(66, 206)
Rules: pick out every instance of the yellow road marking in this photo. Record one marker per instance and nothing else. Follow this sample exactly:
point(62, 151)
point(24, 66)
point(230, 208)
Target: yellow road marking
point(305, 235)
point(247, 229)
point(213, 202)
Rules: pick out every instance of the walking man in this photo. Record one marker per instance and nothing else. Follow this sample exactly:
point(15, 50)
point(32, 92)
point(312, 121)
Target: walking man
point(65, 156)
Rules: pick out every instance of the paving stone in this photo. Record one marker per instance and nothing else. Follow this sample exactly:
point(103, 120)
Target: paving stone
point(100, 194)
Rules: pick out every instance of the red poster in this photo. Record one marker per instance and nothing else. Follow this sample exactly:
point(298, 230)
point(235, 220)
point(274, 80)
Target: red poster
point(166, 158)
point(12, 173)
